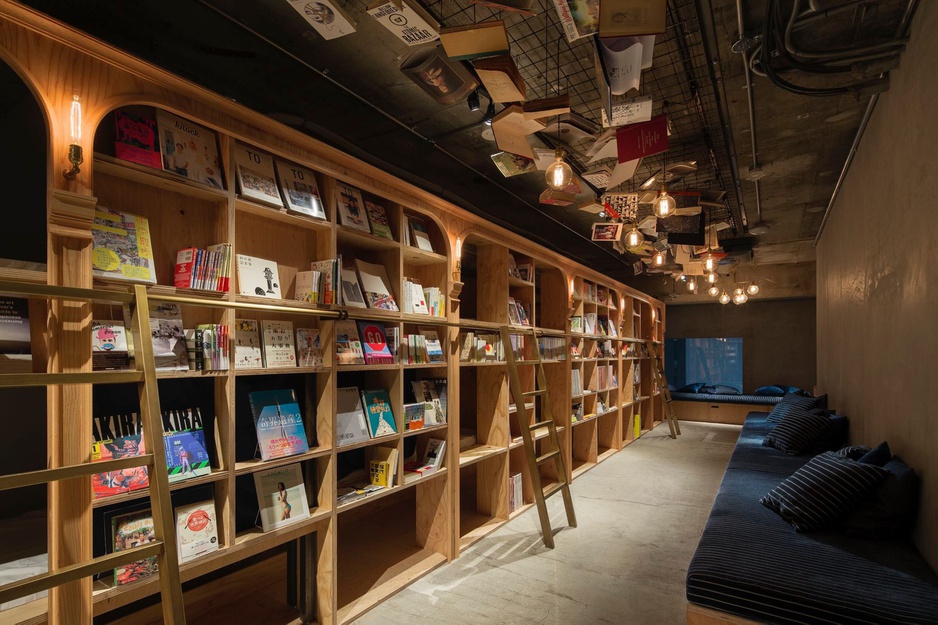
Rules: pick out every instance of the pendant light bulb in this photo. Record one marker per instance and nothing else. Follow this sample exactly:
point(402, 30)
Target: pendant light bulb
point(741, 299)
point(692, 285)
point(664, 204)
point(634, 238)
point(558, 174)
point(710, 262)
point(752, 289)
point(660, 258)
point(713, 291)
point(711, 278)
point(724, 298)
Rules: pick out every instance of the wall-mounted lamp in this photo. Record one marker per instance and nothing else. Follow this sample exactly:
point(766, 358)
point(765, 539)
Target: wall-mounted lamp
point(473, 101)
point(489, 114)
point(457, 275)
point(458, 270)
point(75, 156)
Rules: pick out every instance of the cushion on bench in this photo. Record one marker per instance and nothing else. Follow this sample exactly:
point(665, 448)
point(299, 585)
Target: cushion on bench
point(757, 400)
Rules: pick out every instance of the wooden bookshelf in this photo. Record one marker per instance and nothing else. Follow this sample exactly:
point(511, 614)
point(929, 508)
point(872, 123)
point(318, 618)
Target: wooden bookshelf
point(425, 522)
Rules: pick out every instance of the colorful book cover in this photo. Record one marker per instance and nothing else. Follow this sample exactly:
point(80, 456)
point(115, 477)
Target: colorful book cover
point(136, 139)
point(189, 150)
point(247, 351)
point(109, 346)
point(168, 337)
point(258, 277)
point(111, 483)
point(122, 247)
point(378, 217)
point(414, 415)
point(420, 237)
point(128, 531)
point(300, 190)
point(277, 339)
point(186, 455)
point(376, 285)
point(308, 347)
point(281, 496)
point(374, 343)
point(196, 530)
point(348, 345)
point(327, 269)
point(351, 424)
point(377, 405)
point(256, 175)
point(351, 207)
point(279, 424)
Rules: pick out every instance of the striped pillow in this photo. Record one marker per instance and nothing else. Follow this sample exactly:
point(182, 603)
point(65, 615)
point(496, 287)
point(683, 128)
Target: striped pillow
point(853, 452)
point(788, 401)
point(822, 491)
point(798, 432)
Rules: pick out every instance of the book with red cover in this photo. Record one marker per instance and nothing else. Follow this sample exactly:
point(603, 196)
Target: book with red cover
point(374, 343)
point(185, 264)
point(136, 139)
point(643, 139)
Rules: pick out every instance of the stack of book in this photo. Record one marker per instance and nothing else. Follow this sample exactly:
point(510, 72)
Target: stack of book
point(576, 385)
point(481, 347)
point(208, 269)
point(421, 349)
point(552, 347)
point(517, 314)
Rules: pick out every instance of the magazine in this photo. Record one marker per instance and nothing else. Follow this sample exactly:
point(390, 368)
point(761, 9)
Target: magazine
point(300, 190)
point(189, 150)
point(122, 247)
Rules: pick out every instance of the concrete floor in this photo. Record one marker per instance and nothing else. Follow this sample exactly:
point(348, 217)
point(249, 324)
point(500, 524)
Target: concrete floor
point(640, 514)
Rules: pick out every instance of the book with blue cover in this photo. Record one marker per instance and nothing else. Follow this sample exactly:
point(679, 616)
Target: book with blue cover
point(279, 424)
point(380, 417)
point(186, 455)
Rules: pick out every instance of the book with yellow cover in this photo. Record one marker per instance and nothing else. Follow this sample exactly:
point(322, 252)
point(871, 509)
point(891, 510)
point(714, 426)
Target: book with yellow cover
point(122, 247)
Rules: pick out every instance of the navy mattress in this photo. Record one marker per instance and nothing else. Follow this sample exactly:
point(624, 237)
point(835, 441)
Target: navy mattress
point(761, 400)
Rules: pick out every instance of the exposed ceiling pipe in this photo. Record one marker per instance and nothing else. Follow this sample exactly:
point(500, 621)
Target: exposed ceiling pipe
point(903, 32)
point(752, 114)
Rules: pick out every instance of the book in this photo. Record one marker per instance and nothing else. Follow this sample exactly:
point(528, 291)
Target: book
point(510, 164)
point(258, 277)
point(380, 417)
point(434, 345)
point(300, 190)
point(128, 531)
point(378, 218)
point(374, 343)
point(579, 18)
point(213, 340)
point(433, 457)
point(515, 492)
point(329, 272)
point(281, 496)
point(308, 287)
point(326, 17)
point(256, 176)
point(351, 424)
point(621, 64)
point(189, 150)
point(407, 20)
point(122, 249)
point(443, 79)
point(643, 139)
point(420, 236)
point(278, 423)
point(426, 391)
point(196, 530)
point(15, 348)
point(168, 337)
point(248, 353)
point(115, 437)
point(376, 285)
point(501, 78)
point(184, 444)
point(108, 345)
point(475, 40)
point(136, 139)
point(277, 340)
point(383, 466)
point(308, 347)
point(351, 291)
point(348, 344)
point(414, 415)
point(525, 7)
point(351, 207)
point(625, 18)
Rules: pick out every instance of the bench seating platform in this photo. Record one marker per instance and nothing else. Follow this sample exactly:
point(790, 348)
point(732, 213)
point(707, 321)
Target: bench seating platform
point(731, 409)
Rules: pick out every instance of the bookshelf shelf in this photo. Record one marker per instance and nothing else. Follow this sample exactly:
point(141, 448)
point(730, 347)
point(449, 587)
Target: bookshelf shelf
point(364, 240)
point(478, 453)
point(280, 371)
point(245, 467)
point(156, 178)
point(426, 429)
point(518, 282)
point(280, 215)
point(215, 476)
point(417, 256)
point(372, 441)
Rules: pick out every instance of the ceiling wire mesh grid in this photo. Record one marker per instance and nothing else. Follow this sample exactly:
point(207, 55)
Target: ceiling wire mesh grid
point(679, 82)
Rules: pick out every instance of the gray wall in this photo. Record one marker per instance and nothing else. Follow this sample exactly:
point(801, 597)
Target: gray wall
point(877, 270)
point(778, 337)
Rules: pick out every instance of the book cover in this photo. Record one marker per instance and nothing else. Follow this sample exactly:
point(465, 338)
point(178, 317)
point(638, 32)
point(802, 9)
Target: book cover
point(189, 150)
point(308, 347)
point(383, 466)
point(168, 337)
point(196, 530)
point(351, 207)
point(277, 339)
point(307, 287)
point(425, 391)
point(281, 496)
point(414, 415)
point(15, 349)
point(256, 175)
point(510, 164)
point(406, 20)
point(258, 277)
point(136, 139)
point(300, 190)
point(434, 454)
point(351, 424)
point(378, 217)
point(443, 79)
point(643, 139)
point(279, 424)
point(525, 7)
point(116, 437)
point(326, 17)
point(502, 79)
point(376, 285)
point(186, 455)
point(247, 352)
point(625, 18)
point(128, 531)
point(351, 291)
point(475, 40)
point(579, 18)
point(122, 247)
point(420, 236)
point(327, 270)
point(374, 343)
point(434, 345)
point(348, 344)
point(108, 345)
point(377, 405)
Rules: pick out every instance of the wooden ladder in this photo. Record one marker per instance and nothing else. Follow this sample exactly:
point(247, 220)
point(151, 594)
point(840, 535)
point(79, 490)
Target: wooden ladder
point(528, 425)
point(164, 545)
point(657, 370)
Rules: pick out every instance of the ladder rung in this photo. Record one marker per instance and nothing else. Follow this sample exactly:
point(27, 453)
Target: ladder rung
point(542, 391)
point(19, 480)
point(47, 379)
point(548, 456)
point(539, 424)
point(553, 489)
point(45, 581)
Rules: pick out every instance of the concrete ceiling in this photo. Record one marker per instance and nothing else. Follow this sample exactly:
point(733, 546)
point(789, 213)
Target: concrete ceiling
point(349, 92)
